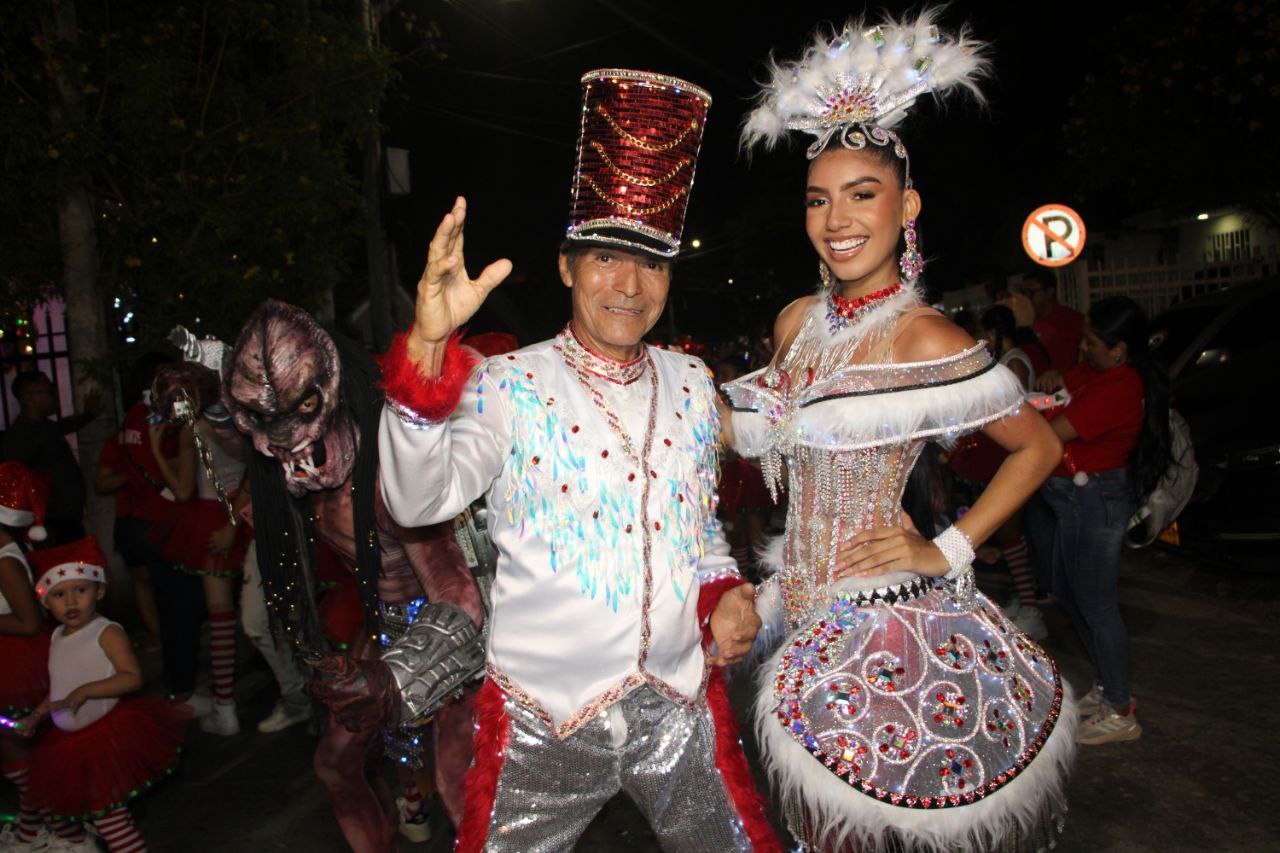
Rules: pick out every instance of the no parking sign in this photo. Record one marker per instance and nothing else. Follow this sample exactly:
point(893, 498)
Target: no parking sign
point(1053, 235)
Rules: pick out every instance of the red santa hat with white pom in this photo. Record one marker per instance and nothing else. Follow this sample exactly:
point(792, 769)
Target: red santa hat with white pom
point(78, 560)
point(23, 498)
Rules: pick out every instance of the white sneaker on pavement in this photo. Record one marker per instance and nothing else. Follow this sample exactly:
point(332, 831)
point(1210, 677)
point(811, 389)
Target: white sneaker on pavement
point(1090, 703)
point(414, 829)
point(1031, 622)
point(222, 720)
point(199, 703)
point(284, 715)
point(1109, 726)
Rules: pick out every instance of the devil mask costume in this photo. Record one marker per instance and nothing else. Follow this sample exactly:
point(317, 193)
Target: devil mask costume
point(305, 399)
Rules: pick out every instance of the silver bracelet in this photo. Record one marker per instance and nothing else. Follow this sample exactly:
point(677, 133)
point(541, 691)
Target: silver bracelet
point(955, 546)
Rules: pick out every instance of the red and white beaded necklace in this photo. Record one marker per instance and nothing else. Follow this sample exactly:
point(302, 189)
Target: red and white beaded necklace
point(586, 364)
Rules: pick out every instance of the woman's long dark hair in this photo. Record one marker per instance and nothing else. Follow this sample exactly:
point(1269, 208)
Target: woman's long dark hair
point(1118, 319)
point(999, 319)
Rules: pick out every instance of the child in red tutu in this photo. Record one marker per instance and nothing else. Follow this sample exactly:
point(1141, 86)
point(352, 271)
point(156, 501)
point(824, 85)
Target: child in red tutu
point(102, 750)
point(24, 642)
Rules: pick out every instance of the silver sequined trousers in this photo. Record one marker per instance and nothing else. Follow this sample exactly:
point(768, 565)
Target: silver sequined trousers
point(662, 755)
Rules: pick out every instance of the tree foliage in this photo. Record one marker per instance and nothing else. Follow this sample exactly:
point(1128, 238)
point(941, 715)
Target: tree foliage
point(1181, 111)
point(217, 144)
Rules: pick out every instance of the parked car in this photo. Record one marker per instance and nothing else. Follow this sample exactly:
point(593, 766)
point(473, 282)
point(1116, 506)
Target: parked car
point(1223, 353)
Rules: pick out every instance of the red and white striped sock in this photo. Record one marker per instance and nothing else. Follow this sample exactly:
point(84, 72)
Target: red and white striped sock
point(117, 829)
point(222, 654)
point(1018, 559)
point(27, 821)
point(72, 831)
point(412, 799)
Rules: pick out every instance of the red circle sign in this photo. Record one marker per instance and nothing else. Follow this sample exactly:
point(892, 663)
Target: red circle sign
point(1053, 235)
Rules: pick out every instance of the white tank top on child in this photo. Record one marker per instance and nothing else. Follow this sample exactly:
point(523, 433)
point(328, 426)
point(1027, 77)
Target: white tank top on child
point(76, 660)
point(1018, 354)
point(14, 550)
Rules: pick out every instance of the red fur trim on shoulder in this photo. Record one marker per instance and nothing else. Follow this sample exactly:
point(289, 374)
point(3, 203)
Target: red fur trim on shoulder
point(732, 764)
point(432, 398)
point(481, 786)
point(708, 597)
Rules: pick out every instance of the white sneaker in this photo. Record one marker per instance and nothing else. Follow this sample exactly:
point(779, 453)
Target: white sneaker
point(1030, 621)
point(414, 829)
point(222, 720)
point(200, 704)
point(1011, 608)
point(1092, 702)
point(283, 716)
point(1109, 726)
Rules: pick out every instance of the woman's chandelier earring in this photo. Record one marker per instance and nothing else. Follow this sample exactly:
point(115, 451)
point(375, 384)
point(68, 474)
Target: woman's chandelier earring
point(912, 262)
point(824, 274)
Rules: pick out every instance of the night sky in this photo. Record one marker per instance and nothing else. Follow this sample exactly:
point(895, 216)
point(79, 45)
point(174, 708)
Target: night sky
point(496, 120)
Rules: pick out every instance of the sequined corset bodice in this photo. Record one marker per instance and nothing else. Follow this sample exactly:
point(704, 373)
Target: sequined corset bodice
point(849, 426)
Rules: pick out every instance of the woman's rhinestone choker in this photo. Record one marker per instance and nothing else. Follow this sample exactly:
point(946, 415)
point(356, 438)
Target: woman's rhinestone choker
point(842, 312)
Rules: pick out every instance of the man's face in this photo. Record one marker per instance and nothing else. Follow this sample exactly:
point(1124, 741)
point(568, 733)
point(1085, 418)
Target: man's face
point(617, 298)
point(40, 399)
point(1042, 298)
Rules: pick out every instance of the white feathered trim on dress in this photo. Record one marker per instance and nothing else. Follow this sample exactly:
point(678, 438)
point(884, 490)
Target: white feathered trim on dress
point(953, 395)
point(839, 814)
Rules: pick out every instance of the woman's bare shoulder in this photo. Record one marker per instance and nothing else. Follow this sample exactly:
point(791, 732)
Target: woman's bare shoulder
point(929, 335)
point(789, 321)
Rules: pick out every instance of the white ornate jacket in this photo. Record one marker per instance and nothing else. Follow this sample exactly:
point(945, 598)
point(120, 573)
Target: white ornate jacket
point(610, 558)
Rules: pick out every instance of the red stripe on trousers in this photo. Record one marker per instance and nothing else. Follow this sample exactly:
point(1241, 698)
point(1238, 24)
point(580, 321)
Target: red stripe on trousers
point(733, 768)
point(481, 785)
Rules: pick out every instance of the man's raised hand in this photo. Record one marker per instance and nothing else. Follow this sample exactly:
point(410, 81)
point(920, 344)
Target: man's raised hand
point(447, 298)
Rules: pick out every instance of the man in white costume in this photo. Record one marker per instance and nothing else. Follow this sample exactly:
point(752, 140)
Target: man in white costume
point(616, 600)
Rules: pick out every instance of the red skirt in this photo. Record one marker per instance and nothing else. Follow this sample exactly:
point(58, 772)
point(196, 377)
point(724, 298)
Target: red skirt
point(85, 774)
point(24, 672)
point(185, 541)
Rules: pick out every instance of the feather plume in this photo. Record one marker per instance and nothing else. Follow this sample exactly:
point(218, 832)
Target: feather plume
point(866, 74)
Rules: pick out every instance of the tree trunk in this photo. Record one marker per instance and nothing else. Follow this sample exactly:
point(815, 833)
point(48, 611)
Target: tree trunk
point(78, 235)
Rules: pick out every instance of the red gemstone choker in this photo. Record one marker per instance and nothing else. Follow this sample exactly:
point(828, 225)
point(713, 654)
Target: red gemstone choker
point(582, 358)
point(842, 312)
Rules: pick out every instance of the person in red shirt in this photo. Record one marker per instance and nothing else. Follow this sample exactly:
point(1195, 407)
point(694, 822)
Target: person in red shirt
point(170, 603)
point(1115, 432)
point(1060, 328)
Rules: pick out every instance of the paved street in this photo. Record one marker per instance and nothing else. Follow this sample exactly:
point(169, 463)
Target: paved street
point(1202, 776)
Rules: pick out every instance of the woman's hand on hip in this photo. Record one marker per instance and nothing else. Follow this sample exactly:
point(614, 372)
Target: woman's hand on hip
point(882, 550)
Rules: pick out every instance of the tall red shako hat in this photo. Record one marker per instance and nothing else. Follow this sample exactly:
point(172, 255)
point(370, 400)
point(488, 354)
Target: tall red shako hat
point(637, 150)
point(78, 560)
point(23, 498)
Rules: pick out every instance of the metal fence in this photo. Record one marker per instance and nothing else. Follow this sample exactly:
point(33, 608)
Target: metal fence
point(1155, 288)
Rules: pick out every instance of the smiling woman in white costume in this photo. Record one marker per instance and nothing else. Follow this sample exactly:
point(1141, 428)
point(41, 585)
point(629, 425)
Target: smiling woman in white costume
point(901, 707)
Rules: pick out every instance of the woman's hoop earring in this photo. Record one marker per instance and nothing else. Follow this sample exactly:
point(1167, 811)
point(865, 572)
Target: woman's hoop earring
point(912, 262)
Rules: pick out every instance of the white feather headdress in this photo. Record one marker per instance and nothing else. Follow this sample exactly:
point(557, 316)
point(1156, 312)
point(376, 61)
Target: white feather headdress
point(859, 83)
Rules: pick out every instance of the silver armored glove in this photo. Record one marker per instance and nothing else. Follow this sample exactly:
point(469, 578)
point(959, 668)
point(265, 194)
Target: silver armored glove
point(440, 653)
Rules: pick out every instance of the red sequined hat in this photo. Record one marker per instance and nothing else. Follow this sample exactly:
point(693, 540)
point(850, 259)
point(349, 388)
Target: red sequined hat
point(636, 155)
point(23, 497)
point(78, 560)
